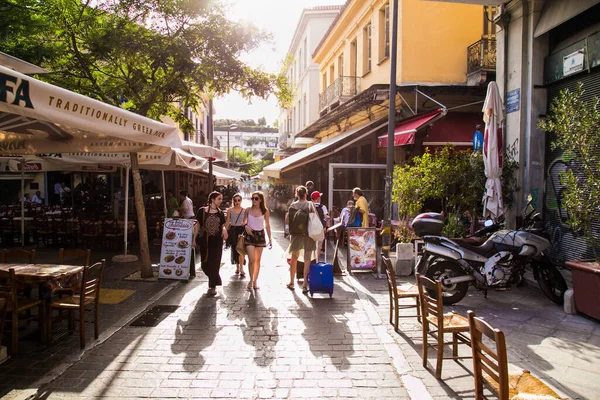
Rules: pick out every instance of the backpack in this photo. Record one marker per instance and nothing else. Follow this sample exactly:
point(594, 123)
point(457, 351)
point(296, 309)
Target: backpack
point(298, 221)
point(321, 213)
point(355, 218)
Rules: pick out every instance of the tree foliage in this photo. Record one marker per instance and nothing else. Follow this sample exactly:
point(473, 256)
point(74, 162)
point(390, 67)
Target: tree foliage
point(148, 56)
point(576, 124)
point(455, 177)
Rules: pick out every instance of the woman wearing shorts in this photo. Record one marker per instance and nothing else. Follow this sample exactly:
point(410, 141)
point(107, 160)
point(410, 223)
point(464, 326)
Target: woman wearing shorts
point(256, 221)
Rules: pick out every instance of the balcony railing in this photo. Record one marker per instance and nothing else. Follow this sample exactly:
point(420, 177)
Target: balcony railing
point(283, 140)
point(481, 56)
point(341, 90)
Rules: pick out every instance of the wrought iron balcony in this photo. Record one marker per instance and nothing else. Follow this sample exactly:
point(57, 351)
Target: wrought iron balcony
point(481, 56)
point(283, 140)
point(341, 90)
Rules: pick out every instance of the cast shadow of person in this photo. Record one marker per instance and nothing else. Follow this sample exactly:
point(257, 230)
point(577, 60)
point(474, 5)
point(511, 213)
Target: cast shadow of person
point(260, 328)
point(197, 333)
point(326, 328)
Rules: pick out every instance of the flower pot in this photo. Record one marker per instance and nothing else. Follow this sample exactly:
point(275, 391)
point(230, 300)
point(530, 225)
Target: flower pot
point(586, 286)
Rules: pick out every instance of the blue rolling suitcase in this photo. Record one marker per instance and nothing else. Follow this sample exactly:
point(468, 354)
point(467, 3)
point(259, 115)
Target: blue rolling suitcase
point(320, 277)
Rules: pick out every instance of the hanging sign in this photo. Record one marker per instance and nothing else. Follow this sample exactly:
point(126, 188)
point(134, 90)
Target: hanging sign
point(176, 249)
point(362, 249)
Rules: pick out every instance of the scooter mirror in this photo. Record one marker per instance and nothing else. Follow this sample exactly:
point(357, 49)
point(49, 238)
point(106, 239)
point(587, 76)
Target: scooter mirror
point(488, 223)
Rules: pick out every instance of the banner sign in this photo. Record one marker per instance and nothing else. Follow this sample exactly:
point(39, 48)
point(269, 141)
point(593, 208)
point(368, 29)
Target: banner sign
point(362, 249)
point(176, 250)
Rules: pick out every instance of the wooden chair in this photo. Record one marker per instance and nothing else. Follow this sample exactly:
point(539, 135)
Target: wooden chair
point(88, 232)
point(492, 367)
point(3, 307)
point(17, 304)
point(9, 256)
point(396, 294)
point(113, 233)
point(89, 293)
point(79, 255)
point(433, 315)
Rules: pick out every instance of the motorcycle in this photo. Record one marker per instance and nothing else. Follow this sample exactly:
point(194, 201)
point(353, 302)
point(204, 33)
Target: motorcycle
point(498, 263)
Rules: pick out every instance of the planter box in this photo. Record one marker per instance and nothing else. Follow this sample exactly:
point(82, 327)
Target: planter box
point(586, 285)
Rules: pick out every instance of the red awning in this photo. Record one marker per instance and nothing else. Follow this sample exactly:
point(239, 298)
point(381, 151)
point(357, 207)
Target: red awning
point(406, 129)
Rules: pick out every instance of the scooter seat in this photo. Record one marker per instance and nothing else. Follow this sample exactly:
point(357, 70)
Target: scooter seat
point(486, 249)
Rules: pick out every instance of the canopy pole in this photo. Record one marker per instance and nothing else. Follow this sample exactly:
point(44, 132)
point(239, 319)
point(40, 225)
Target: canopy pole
point(126, 207)
point(23, 203)
point(162, 173)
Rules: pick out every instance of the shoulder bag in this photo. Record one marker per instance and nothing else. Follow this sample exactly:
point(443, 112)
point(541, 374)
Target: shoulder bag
point(315, 227)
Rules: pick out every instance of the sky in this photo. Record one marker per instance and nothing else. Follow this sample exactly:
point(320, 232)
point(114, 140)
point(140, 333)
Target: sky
point(279, 17)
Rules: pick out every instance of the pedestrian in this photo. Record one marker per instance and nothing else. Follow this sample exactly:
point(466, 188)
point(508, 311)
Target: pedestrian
point(57, 192)
point(172, 204)
point(37, 198)
point(310, 187)
point(65, 193)
point(211, 233)
point(345, 214)
point(186, 207)
point(256, 221)
point(26, 198)
point(301, 245)
point(235, 228)
point(323, 213)
point(362, 206)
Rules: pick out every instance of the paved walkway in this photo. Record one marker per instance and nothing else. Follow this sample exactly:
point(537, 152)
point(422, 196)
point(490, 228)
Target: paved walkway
point(277, 343)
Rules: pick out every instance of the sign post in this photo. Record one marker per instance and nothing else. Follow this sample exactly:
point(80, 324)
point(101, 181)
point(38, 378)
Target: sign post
point(362, 249)
point(176, 250)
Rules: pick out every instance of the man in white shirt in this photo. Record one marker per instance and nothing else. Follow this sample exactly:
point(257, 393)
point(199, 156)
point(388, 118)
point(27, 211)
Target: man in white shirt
point(57, 192)
point(37, 198)
point(186, 207)
point(345, 214)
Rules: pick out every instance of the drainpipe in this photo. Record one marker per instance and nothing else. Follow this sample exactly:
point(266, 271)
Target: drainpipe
point(525, 130)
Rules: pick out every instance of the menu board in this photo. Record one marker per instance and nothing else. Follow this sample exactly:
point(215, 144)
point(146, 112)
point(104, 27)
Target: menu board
point(176, 249)
point(362, 249)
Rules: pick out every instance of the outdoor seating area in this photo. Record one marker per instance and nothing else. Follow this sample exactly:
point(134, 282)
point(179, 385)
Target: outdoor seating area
point(32, 293)
point(488, 345)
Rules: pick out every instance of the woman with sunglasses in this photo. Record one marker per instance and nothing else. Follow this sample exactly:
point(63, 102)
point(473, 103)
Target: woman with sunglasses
point(235, 227)
point(256, 220)
point(211, 233)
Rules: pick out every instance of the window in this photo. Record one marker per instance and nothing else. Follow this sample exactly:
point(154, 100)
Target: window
point(331, 73)
point(304, 113)
point(299, 116)
point(353, 58)
point(384, 32)
point(305, 52)
point(324, 81)
point(341, 65)
point(299, 60)
point(367, 49)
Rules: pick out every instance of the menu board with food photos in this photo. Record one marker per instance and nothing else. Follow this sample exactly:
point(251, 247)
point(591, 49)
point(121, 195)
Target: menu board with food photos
point(362, 248)
point(176, 249)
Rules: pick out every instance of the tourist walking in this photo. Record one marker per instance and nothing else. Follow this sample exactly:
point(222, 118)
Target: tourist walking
point(211, 233)
point(256, 221)
point(172, 204)
point(235, 227)
point(323, 214)
point(300, 243)
point(186, 207)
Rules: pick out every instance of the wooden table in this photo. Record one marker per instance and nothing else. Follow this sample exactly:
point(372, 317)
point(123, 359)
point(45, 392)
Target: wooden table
point(53, 275)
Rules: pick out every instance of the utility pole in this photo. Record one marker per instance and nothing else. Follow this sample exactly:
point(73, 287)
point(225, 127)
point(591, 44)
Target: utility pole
point(387, 212)
point(230, 127)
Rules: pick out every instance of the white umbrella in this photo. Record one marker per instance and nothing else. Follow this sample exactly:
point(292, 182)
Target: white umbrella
point(493, 116)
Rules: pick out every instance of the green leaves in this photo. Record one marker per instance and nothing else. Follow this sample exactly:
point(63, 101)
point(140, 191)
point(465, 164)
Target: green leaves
point(146, 56)
point(576, 124)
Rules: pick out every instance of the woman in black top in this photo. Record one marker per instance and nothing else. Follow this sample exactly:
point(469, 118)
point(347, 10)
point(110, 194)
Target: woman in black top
point(210, 238)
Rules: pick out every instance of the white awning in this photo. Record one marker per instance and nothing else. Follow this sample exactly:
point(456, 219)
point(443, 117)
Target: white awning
point(203, 151)
point(36, 118)
point(323, 149)
point(225, 172)
point(555, 12)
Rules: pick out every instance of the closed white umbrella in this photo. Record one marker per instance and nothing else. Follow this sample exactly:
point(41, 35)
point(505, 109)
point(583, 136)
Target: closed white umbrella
point(493, 116)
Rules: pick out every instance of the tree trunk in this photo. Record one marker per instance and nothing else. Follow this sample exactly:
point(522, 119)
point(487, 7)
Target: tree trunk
point(141, 217)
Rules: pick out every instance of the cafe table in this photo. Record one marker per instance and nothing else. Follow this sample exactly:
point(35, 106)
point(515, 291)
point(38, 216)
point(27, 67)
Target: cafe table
point(49, 276)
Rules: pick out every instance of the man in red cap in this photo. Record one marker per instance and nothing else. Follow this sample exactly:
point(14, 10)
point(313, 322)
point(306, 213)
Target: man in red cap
point(322, 211)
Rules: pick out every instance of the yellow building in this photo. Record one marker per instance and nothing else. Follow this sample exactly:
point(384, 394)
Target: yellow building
point(445, 56)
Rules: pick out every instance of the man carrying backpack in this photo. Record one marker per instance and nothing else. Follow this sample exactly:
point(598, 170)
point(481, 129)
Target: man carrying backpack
point(300, 243)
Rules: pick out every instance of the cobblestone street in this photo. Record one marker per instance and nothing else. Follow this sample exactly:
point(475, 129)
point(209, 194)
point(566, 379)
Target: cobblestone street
point(277, 343)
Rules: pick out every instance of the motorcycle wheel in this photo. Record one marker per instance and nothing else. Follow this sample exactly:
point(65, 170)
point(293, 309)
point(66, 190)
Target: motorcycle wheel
point(552, 283)
point(451, 293)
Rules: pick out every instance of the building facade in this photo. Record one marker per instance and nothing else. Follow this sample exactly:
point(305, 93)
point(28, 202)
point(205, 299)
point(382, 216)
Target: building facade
point(433, 80)
point(303, 74)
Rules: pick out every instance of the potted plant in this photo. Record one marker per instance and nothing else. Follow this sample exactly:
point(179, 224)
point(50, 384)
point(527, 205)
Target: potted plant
point(576, 124)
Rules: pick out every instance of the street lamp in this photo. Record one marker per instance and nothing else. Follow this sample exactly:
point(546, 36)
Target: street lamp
point(231, 127)
point(233, 153)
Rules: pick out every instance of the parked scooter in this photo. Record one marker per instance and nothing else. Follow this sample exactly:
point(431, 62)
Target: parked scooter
point(498, 263)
